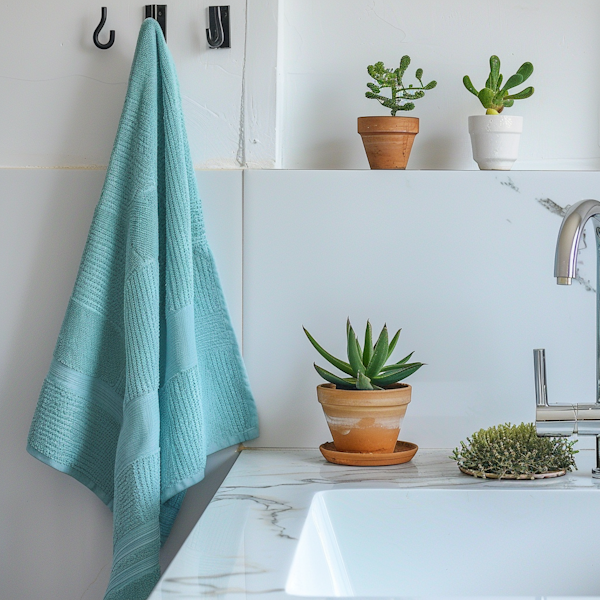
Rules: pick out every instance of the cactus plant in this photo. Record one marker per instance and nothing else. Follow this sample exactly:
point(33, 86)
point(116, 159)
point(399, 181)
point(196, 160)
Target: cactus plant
point(392, 78)
point(367, 368)
point(495, 98)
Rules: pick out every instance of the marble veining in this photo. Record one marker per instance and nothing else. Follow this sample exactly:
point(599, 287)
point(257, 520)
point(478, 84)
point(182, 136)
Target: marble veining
point(511, 184)
point(244, 543)
point(553, 207)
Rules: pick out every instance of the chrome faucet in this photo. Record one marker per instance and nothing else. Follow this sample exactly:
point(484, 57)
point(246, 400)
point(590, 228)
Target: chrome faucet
point(571, 419)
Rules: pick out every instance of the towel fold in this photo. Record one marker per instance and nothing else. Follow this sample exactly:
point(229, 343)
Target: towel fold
point(146, 378)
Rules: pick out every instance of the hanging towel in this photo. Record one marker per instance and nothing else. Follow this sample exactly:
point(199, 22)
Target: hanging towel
point(146, 378)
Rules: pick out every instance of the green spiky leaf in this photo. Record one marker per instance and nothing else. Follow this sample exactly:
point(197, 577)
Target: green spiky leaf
point(368, 351)
point(392, 344)
point(405, 359)
point(354, 357)
point(363, 382)
point(336, 362)
point(380, 354)
point(396, 375)
point(396, 365)
point(359, 350)
point(349, 383)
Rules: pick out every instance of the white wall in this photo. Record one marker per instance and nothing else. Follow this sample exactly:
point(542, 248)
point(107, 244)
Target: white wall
point(289, 90)
point(462, 262)
point(62, 97)
point(327, 45)
point(61, 100)
point(56, 535)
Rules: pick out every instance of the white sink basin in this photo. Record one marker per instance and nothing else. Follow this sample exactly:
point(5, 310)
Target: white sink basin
point(446, 542)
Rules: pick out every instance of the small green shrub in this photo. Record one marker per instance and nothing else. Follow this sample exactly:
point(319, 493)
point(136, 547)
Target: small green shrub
point(392, 78)
point(514, 450)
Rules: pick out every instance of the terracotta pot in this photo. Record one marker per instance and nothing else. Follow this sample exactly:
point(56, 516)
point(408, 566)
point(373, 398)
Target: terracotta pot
point(388, 140)
point(364, 420)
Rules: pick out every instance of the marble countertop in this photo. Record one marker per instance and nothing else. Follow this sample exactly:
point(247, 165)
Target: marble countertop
point(245, 541)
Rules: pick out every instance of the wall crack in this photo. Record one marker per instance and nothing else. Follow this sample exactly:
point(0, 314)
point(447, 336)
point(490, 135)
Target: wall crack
point(241, 151)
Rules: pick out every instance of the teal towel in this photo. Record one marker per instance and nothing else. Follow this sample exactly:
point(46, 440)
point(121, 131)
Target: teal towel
point(146, 378)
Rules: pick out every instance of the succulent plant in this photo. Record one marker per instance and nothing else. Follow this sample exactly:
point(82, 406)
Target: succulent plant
point(512, 451)
point(392, 78)
point(495, 98)
point(367, 368)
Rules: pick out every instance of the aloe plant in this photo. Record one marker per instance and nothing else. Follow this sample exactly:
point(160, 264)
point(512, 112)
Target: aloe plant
point(392, 78)
point(495, 97)
point(366, 367)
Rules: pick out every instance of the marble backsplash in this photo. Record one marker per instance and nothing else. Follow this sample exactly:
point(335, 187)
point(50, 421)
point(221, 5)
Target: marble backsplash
point(462, 261)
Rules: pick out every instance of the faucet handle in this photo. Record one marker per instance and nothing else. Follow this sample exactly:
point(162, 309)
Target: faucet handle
point(539, 367)
point(556, 419)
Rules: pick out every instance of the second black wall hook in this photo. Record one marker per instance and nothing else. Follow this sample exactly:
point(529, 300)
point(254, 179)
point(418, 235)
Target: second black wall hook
point(158, 12)
point(111, 38)
point(217, 33)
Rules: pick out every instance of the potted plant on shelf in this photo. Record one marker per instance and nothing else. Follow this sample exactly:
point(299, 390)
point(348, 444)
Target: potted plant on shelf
point(365, 410)
point(388, 140)
point(494, 136)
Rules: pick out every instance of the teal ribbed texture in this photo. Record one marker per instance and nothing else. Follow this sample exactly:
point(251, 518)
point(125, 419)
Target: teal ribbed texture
point(147, 378)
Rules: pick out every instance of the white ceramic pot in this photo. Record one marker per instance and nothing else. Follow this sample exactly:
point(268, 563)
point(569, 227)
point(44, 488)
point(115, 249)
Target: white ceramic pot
point(495, 140)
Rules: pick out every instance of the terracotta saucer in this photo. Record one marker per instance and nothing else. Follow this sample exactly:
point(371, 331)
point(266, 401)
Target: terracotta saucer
point(403, 452)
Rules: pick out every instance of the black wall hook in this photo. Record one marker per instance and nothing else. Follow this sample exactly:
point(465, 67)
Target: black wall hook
point(158, 12)
point(111, 39)
point(217, 33)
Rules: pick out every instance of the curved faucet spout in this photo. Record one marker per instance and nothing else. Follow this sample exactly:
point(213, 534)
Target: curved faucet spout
point(569, 236)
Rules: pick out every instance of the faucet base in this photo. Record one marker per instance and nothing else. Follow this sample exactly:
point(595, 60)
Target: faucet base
point(596, 473)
